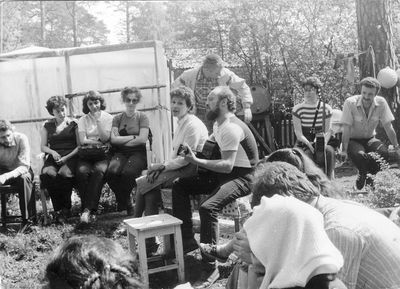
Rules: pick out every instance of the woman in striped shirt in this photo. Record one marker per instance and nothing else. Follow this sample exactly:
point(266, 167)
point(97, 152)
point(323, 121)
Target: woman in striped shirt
point(303, 122)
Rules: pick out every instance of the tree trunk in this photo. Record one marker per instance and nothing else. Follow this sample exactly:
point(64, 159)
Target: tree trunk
point(374, 25)
point(74, 24)
point(127, 20)
point(42, 25)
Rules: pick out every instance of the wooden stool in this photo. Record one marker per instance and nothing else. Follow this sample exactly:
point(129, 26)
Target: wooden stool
point(4, 191)
point(239, 210)
point(140, 229)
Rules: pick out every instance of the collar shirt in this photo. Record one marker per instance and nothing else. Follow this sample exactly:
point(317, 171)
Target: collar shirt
point(362, 126)
point(16, 157)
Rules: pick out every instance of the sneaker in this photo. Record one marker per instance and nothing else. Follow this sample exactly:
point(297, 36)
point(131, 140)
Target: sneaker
point(86, 217)
point(151, 247)
point(211, 251)
point(189, 245)
point(360, 182)
point(369, 181)
point(208, 278)
point(60, 218)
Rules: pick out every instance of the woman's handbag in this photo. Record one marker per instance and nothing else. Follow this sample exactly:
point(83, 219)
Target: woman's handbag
point(94, 152)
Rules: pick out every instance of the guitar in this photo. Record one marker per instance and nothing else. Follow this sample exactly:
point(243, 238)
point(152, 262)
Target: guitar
point(210, 151)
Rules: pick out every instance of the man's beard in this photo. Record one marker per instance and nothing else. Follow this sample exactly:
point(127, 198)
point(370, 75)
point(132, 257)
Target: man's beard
point(213, 114)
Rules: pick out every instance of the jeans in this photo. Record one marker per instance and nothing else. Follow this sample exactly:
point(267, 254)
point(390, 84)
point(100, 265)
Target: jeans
point(89, 181)
point(121, 174)
point(148, 194)
point(358, 150)
point(221, 188)
point(24, 187)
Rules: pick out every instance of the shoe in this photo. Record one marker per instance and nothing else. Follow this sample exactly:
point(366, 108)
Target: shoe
point(151, 247)
point(210, 250)
point(189, 245)
point(130, 209)
point(369, 181)
point(87, 217)
point(360, 182)
point(60, 218)
point(208, 278)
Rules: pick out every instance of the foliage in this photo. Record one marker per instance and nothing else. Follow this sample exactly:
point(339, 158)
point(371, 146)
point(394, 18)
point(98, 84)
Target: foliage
point(23, 25)
point(386, 190)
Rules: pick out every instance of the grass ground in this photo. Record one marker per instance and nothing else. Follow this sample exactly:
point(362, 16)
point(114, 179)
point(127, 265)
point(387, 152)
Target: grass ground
point(24, 255)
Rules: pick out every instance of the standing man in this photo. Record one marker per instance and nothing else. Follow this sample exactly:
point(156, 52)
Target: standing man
point(15, 165)
point(209, 75)
point(361, 115)
point(228, 179)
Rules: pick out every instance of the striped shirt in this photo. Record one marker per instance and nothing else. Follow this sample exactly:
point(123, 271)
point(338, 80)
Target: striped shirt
point(368, 241)
point(306, 113)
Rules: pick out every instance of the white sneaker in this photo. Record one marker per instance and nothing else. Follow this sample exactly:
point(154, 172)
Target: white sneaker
point(86, 216)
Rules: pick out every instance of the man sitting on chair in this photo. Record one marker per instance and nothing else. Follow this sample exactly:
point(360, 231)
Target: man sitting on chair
point(15, 165)
point(361, 115)
point(228, 178)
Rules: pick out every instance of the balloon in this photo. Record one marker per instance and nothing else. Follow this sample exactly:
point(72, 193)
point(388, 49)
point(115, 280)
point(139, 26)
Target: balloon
point(387, 77)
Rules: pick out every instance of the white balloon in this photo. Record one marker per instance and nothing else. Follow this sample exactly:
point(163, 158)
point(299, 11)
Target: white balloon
point(387, 77)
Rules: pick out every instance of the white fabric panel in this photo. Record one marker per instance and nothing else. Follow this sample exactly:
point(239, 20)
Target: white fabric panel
point(26, 84)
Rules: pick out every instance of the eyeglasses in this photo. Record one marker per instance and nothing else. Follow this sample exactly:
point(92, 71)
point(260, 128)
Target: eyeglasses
point(131, 100)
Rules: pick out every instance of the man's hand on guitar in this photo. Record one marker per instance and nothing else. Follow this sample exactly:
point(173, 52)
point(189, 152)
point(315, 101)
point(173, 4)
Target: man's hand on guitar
point(188, 154)
point(154, 171)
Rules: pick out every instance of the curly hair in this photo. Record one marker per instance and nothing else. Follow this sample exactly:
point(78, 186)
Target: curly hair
point(371, 82)
point(6, 125)
point(306, 165)
point(131, 90)
point(185, 93)
point(55, 102)
point(91, 262)
point(281, 178)
point(224, 92)
point(92, 95)
point(314, 82)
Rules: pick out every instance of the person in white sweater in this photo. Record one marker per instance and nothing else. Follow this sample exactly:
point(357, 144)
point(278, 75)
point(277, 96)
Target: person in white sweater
point(192, 132)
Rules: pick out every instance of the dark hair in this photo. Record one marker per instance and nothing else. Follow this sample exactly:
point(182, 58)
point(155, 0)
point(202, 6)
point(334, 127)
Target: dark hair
point(91, 262)
point(131, 90)
point(92, 95)
point(224, 92)
point(55, 102)
point(283, 179)
point(213, 59)
point(185, 93)
point(301, 161)
point(314, 82)
point(371, 82)
point(6, 125)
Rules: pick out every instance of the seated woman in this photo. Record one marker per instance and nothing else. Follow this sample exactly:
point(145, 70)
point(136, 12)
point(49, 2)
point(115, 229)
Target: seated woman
point(90, 262)
point(308, 120)
point(292, 250)
point(59, 138)
point(129, 133)
point(94, 130)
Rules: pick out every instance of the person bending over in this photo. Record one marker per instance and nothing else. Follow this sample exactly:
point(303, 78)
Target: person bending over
point(90, 262)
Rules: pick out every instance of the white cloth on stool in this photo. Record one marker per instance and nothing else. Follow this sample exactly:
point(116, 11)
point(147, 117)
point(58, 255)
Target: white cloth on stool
point(287, 236)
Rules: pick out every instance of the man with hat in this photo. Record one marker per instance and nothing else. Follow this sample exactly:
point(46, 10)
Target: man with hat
point(361, 115)
point(212, 73)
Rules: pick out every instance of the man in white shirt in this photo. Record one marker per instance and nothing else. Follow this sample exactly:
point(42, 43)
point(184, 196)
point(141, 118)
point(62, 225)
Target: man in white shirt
point(229, 176)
